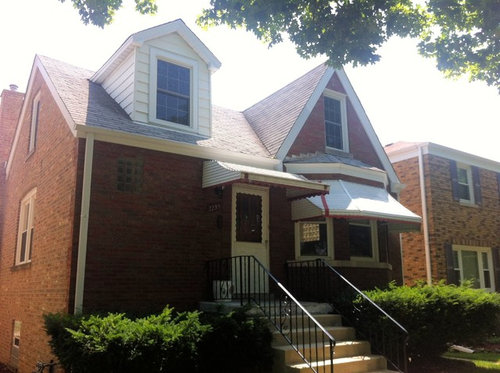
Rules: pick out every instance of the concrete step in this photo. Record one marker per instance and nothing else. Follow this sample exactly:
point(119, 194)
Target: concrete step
point(286, 354)
point(300, 321)
point(304, 335)
point(353, 364)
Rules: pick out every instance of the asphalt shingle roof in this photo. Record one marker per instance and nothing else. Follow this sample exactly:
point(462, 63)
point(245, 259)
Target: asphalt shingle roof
point(273, 117)
point(89, 104)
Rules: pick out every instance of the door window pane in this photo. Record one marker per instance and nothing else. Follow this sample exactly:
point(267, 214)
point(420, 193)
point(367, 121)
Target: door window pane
point(248, 218)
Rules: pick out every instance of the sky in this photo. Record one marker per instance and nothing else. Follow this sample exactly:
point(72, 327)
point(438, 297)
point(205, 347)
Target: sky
point(404, 95)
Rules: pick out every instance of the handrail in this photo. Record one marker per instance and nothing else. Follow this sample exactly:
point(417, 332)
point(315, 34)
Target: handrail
point(317, 280)
point(245, 279)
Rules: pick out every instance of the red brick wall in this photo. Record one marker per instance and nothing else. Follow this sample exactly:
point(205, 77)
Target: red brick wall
point(28, 291)
point(450, 222)
point(10, 108)
point(311, 139)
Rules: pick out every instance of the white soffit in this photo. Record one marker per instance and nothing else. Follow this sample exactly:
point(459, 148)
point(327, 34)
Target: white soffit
point(220, 173)
point(347, 199)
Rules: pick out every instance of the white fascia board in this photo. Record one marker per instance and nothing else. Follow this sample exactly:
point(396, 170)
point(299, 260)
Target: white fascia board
point(365, 122)
point(38, 66)
point(412, 151)
point(185, 32)
point(337, 168)
point(175, 147)
point(113, 61)
point(306, 111)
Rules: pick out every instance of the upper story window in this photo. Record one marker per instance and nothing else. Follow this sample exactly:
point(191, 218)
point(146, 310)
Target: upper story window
point(173, 93)
point(363, 239)
point(466, 185)
point(335, 121)
point(173, 90)
point(25, 230)
point(35, 111)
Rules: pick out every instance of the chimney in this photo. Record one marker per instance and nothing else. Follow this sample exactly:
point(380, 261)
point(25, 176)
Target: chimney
point(11, 102)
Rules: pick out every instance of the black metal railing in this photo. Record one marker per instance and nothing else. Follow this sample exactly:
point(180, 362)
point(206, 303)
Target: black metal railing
point(316, 280)
point(245, 280)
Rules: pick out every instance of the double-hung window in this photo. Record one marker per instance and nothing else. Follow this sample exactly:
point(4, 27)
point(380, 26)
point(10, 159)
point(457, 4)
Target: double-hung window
point(363, 239)
point(335, 121)
point(173, 96)
point(466, 185)
point(25, 230)
point(464, 180)
point(474, 265)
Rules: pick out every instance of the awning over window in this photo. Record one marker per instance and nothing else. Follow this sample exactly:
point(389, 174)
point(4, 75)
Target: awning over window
point(352, 200)
point(221, 173)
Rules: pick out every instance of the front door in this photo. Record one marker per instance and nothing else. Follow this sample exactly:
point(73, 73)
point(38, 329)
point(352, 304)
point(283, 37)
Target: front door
point(250, 233)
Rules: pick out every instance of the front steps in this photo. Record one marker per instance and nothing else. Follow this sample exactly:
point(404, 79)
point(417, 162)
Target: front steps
point(350, 355)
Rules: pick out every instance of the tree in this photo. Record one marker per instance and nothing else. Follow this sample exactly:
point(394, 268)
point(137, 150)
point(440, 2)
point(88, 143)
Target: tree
point(462, 35)
point(101, 12)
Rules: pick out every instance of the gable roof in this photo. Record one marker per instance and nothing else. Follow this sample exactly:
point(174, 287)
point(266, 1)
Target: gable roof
point(274, 117)
point(137, 39)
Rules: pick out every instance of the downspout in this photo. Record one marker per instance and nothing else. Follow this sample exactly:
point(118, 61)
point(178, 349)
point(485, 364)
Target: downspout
point(84, 223)
point(425, 223)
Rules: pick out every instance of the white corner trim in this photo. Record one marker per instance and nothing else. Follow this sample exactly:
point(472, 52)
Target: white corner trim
point(38, 66)
point(306, 111)
point(84, 224)
point(365, 122)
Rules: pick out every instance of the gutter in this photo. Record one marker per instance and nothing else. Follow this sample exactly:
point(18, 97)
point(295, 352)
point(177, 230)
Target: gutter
point(84, 223)
point(425, 222)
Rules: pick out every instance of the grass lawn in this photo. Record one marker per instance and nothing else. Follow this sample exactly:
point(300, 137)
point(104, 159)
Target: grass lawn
point(484, 361)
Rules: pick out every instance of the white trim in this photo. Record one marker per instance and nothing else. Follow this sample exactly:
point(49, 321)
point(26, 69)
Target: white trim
point(479, 250)
point(330, 255)
point(343, 118)
point(156, 54)
point(411, 151)
point(306, 111)
point(338, 168)
point(26, 215)
point(372, 224)
point(38, 66)
point(84, 224)
point(175, 147)
point(365, 122)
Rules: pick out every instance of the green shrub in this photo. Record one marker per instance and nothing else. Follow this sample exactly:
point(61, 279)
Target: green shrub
point(435, 315)
point(115, 343)
point(237, 343)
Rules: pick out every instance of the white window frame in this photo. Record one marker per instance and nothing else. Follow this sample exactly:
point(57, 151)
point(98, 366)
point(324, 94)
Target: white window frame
point(156, 54)
point(343, 112)
point(329, 239)
point(372, 224)
point(470, 182)
point(35, 114)
point(479, 250)
point(26, 215)
point(16, 334)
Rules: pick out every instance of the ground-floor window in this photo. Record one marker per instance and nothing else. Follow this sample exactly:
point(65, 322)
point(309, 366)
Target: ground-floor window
point(474, 265)
point(363, 239)
point(314, 239)
point(16, 341)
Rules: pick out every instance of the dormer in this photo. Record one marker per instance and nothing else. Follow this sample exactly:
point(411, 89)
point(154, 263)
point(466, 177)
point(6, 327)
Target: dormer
point(161, 76)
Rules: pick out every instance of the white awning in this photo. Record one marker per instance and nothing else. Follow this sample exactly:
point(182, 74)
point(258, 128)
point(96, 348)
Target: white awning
point(217, 173)
point(352, 200)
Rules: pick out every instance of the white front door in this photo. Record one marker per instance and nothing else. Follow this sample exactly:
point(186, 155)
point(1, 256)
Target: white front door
point(250, 232)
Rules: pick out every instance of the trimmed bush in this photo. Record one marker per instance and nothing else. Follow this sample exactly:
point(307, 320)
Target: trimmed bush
point(235, 343)
point(437, 315)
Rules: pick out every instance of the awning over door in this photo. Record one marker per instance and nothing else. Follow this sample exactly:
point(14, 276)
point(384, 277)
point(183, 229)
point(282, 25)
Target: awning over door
point(217, 173)
point(352, 200)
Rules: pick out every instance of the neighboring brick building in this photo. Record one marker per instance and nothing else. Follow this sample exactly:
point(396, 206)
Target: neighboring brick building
point(121, 184)
point(460, 237)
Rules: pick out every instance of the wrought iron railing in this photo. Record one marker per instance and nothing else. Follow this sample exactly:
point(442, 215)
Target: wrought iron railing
point(316, 280)
point(245, 280)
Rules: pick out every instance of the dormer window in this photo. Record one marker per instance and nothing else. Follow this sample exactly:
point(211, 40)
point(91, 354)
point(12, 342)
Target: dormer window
point(173, 94)
point(335, 121)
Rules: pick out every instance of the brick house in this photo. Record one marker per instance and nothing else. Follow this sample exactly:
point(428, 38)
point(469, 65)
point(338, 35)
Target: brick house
point(460, 237)
point(119, 185)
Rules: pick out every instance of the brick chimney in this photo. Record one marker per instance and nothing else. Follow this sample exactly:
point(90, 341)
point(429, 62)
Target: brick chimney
point(11, 102)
